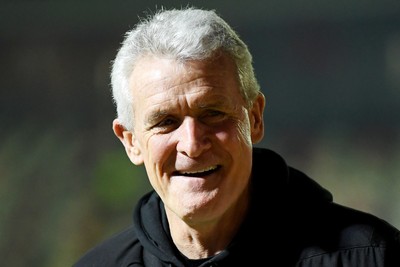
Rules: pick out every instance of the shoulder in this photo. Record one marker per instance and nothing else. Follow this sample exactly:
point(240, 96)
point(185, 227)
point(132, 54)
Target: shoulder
point(351, 235)
point(362, 228)
point(114, 251)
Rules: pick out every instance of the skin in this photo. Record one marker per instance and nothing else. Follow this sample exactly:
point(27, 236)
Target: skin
point(194, 134)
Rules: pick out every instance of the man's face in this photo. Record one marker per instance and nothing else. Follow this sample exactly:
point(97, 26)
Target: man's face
point(193, 133)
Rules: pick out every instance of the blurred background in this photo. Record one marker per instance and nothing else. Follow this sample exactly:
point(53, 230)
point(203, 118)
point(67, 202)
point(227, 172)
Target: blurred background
point(330, 71)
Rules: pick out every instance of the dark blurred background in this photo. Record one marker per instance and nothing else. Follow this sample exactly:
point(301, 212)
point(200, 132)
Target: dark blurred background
point(330, 71)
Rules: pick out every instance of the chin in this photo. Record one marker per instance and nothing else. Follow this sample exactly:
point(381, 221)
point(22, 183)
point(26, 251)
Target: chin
point(199, 205)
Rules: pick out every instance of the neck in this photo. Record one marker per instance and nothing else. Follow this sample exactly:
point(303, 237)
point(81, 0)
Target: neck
point(207, 237)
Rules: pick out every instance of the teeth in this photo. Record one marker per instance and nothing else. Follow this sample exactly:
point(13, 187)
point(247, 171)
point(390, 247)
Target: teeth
point(201, 171)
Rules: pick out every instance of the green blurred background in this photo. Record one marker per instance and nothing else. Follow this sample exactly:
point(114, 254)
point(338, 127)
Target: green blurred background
point(330, 71)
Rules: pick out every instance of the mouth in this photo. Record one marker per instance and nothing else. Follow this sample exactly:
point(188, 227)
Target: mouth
point(198, 173)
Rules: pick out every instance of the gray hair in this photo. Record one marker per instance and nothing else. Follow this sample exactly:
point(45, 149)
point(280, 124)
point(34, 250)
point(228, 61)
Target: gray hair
point(184, 34)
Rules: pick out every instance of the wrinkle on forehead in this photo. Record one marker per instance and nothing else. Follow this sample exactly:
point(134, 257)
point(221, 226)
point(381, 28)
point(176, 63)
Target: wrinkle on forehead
point(190, 106)
point(195, 69)
point(160, 84)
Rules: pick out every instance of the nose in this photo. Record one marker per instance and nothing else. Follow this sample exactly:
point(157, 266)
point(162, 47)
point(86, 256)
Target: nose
point(193, 138)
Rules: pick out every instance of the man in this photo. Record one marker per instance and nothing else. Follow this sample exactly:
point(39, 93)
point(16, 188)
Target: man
point(190, 109)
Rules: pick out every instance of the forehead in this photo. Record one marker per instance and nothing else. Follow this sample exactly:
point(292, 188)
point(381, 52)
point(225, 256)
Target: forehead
point(161, 80)
point(152, 69)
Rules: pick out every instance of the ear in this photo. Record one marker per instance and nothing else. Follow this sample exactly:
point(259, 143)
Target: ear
point(256, 119)
point(129, 141)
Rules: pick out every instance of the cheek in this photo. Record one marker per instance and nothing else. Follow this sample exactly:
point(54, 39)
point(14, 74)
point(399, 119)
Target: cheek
point(244, 133)
point(236, 130)
point(243, 127)
point(159, 150)
point(155, 163)
point(238, 133)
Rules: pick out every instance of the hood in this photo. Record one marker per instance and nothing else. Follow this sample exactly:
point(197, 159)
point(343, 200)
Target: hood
point(151, 225)
point(273, 181)
point(272, 175)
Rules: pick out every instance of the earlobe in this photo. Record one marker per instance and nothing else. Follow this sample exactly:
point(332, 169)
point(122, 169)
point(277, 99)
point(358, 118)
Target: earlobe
point(129, 141)
point(257, 120)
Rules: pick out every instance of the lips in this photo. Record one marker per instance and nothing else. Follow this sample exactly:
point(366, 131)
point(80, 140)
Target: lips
point(198, 173)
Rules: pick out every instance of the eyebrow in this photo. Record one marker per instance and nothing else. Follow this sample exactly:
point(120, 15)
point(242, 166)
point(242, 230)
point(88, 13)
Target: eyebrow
point(156, 115)
point(214, 104)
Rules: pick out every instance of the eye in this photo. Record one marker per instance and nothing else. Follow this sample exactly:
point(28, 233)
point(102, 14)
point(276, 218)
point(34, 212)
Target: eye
point(165, 125)
point(213, 116)
point(213, 113)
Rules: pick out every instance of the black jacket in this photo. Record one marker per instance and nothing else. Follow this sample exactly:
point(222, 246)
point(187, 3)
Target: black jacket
point(292, 222)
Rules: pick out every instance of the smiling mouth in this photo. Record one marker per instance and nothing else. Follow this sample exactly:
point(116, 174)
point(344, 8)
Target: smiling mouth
point(198, 173)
